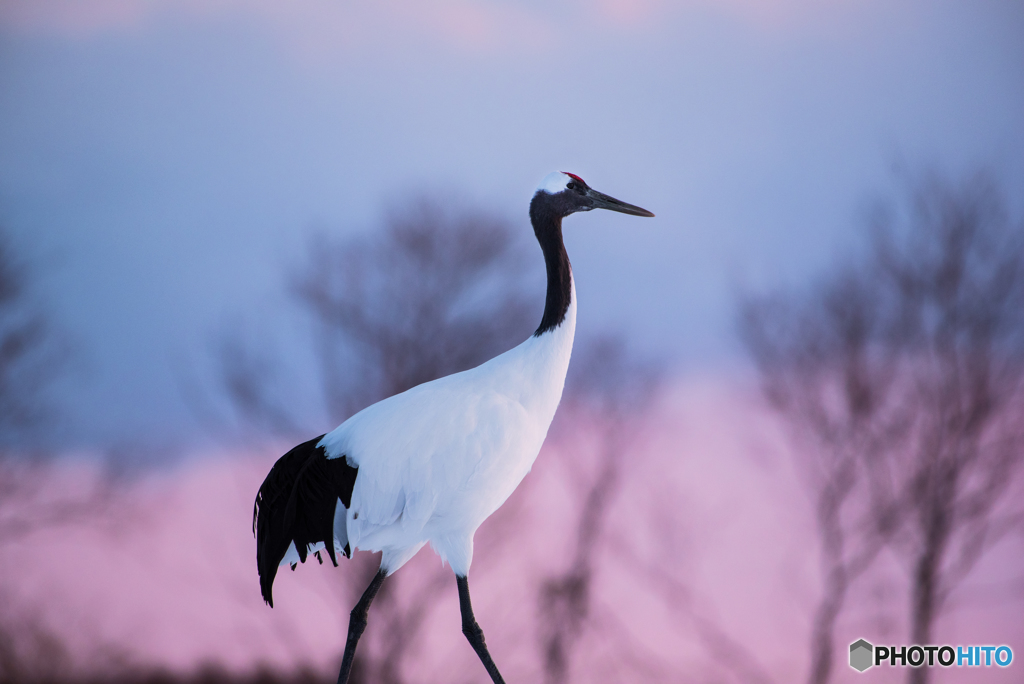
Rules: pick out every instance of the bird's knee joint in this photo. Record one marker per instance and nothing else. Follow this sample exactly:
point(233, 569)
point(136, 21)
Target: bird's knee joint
point(472, 631)
point(357, 622)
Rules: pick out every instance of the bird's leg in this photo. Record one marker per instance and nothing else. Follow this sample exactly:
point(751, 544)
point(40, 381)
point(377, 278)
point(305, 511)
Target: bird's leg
point(473, 632)
point(357, 623)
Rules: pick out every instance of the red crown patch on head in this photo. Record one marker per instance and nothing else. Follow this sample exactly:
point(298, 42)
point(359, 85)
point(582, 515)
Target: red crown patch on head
point(573, 175)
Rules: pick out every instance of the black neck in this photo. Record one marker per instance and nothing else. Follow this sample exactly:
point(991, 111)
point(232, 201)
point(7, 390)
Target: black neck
point(547, 225)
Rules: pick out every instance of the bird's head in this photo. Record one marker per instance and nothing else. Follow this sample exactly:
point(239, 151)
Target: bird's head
point(566, 193)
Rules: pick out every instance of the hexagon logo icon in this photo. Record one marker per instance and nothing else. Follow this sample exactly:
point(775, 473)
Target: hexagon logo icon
point(860, 655)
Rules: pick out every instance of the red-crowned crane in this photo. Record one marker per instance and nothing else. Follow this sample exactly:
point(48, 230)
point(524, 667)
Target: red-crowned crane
point(432, 463)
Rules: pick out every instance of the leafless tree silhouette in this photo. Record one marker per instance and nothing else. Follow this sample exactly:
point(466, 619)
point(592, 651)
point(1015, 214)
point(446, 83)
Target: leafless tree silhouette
point(957, 282)
point(605, 412)
point(26, 351)
point(822, 370)
point(433, 292)
point(436, 293)
point(31, 357)
point(902, 374)
point(608, 392)
point(23, 331)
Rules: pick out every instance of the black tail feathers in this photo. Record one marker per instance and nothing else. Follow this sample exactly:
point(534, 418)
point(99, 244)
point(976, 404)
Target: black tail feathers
point(296, 503)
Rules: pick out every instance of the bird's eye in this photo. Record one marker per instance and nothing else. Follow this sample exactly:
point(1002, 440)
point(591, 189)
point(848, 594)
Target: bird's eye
point(571, 185)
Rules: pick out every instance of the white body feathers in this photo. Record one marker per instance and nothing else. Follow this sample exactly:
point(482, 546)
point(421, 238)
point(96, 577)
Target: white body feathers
point(431, 464)
point(435, 461)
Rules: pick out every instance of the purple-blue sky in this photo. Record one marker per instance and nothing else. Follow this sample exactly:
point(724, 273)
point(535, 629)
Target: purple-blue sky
point(162, 162)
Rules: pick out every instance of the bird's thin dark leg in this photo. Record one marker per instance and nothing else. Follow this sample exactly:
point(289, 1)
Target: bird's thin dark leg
point(356, 625)
point(473, 632)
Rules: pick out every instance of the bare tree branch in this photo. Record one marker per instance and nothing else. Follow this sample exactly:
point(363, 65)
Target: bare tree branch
point(433, 292)
point(31, 359)
point(607, 395)
point(904, 377)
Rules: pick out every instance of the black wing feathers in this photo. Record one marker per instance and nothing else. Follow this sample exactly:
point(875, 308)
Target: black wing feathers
point(296, 504)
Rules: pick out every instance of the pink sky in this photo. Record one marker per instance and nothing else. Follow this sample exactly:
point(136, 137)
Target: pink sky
point(175, 585)
point(163, 162)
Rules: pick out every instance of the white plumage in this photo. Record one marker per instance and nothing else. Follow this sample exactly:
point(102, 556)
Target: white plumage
point(435, 461)
point(432, 463)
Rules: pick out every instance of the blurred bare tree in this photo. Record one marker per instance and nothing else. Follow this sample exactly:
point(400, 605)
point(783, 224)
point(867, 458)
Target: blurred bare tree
point(433, 292)
point(607, 396)
point(31, 357)
point(600, 434)
point(823, 369)
point(27, 361)
point(23, 332)
point(957, 283)
point(903, 374)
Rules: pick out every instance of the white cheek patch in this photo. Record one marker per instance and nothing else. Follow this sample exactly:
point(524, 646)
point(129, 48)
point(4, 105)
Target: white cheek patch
point(554, 182)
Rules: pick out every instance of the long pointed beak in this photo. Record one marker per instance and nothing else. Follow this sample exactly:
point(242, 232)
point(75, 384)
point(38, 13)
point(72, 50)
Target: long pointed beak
point(603, 201)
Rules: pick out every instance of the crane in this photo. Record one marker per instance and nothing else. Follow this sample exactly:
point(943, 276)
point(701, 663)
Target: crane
point(432, 463)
